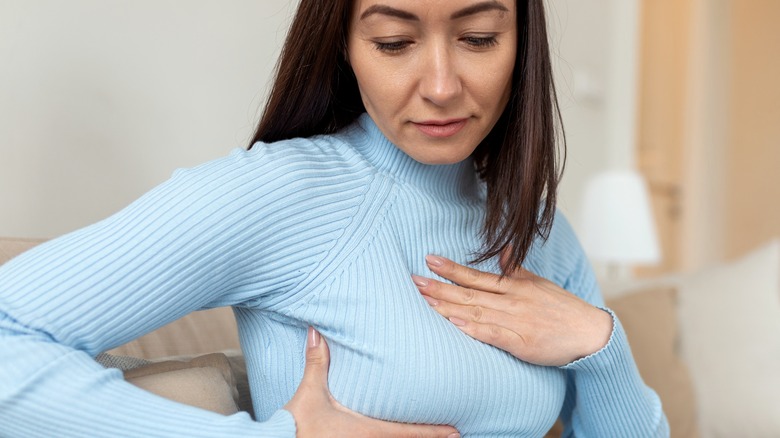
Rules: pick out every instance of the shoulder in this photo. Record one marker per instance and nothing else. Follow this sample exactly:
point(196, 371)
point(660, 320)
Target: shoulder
point(286, 186)
point(287, 207)
point(331, 147)
point(323, 156)
point(561, 259)
point(287, 168)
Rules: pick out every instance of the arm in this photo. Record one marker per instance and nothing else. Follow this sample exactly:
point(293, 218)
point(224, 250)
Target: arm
point(167, 254)
point(605, 394)
point(224, 233)
point(543, 323)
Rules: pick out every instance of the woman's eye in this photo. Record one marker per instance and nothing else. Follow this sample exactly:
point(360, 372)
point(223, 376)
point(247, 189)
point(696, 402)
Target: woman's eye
point(392, 46)
point(480, 42)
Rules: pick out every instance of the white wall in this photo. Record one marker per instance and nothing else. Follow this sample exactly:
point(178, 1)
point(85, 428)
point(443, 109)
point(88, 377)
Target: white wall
point(595, 57)
point(100, 100)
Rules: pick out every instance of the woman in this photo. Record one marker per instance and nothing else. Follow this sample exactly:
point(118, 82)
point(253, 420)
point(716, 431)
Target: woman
point(403, 141)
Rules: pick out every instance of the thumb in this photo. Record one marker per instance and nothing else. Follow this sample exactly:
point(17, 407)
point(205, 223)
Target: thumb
point(317, 360)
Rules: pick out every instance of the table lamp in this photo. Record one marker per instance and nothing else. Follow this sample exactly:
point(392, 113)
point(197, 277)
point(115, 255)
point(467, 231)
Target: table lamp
point(617, 222)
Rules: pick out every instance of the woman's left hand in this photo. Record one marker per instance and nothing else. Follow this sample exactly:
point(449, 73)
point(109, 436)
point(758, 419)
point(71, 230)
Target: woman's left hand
point(526, 315)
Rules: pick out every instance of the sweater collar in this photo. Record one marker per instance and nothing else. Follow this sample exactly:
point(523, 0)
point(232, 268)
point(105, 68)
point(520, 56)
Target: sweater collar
point(457, 180)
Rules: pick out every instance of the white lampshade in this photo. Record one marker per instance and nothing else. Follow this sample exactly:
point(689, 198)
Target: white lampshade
point(617, 220)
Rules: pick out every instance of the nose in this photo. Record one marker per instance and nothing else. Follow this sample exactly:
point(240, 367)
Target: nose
point(440, 82)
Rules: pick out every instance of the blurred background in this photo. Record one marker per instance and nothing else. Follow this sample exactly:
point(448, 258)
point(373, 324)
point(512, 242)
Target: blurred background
point(100, 100)
point(672, 115)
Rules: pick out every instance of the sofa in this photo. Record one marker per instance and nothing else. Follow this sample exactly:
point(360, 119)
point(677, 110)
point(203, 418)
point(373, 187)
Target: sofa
point(708, 343)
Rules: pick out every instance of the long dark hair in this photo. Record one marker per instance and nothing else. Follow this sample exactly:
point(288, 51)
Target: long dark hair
point(315, 92)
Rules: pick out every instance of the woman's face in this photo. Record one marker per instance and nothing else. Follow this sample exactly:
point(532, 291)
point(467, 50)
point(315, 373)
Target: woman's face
point(435, 75)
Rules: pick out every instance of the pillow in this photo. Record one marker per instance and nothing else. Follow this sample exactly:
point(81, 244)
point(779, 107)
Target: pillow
point(238, 367)
point(197, 333)
point(649, 318)
point(230, 363)
point(730, 326)
point(206, 382)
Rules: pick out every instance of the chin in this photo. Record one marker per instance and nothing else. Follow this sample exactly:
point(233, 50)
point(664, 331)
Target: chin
point(440, 159)
point(437, 151)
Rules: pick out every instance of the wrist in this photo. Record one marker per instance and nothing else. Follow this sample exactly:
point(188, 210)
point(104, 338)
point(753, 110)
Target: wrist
point(602, 326)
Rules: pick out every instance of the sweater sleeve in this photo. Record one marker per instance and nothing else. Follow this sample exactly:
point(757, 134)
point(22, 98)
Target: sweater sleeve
point(235, 231)
point(605, 396)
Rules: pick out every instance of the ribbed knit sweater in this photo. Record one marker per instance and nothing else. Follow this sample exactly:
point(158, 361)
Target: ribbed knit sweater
point(324, 231)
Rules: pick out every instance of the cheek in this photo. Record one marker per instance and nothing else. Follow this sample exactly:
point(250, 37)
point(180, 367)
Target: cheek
point(492, 86)
point(382, 86)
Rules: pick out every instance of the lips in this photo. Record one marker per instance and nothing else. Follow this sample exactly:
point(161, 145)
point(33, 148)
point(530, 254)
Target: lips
point(441, 128)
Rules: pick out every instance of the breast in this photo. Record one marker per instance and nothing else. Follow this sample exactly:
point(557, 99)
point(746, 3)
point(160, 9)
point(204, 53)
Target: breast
point(395, 358)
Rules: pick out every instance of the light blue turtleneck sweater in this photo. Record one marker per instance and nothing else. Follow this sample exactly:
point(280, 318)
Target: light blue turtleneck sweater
point(323, 231)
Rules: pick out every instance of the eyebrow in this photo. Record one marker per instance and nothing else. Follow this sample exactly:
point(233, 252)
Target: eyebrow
point(486, 6)
point(389, 11)
point(479, 7)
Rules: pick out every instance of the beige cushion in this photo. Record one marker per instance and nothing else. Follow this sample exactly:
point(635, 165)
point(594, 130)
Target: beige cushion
point(730, 325)
point(650, 320)
point(162, 377)
point(206, 382)
point(198, 333)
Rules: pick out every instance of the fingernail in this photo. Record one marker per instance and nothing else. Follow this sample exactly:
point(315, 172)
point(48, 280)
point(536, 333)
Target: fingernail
point(314, 338)
point(454, 435)
point(434, 260)
point(431, 301)
point(457, 321)
point(419, 281)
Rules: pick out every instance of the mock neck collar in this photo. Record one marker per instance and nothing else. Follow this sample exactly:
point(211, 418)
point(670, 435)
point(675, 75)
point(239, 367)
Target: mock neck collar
point(457, 180)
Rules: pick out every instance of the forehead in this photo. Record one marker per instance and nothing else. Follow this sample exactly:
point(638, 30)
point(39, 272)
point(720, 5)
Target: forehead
point(419, 10)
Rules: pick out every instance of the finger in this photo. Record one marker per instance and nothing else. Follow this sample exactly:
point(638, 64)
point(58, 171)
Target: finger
point(317, 360)
point(477, 314)
point(495, 335)
point(458, 294)
point(465, 276)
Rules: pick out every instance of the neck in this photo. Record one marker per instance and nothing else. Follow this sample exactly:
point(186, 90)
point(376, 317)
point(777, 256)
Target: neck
point(443, 180)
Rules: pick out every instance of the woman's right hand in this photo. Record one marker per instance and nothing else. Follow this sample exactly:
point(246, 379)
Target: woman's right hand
point(318, 414)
